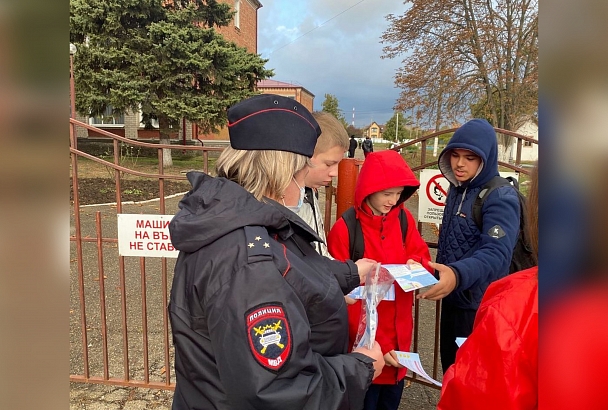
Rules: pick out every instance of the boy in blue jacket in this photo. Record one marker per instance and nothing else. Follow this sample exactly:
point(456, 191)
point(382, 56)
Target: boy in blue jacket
point(469, 259)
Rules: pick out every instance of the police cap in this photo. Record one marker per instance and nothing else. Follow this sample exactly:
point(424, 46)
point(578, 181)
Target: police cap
point(272, 122)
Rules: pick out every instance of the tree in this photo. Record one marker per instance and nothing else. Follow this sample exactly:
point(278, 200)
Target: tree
point(352, 130)
point(463, 52)
point(330, 105)
point(391, 131)
point(161, 57)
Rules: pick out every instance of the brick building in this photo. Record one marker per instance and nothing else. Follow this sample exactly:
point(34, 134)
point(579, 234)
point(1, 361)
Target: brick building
point(297, 92)
point(244, 32)
point(244, 28)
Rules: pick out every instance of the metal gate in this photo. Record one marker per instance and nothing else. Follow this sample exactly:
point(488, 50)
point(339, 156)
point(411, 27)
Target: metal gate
point(119, 326)
point(118, 310)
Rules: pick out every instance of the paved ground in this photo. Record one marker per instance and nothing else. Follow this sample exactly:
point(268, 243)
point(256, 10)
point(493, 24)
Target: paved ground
point(94, 396)
point(102, 397)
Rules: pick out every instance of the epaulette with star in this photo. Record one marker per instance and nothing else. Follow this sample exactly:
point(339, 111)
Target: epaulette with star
point(258, 244)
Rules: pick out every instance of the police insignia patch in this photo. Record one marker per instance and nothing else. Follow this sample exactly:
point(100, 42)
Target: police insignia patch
point(269, 335)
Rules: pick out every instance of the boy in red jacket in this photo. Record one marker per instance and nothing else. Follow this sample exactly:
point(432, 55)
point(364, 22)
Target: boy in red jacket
point(385, 182)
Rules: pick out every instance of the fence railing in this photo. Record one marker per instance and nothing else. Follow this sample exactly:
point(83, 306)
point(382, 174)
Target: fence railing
point(119, 324)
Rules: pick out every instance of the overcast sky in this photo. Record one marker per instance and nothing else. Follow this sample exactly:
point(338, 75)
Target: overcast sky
point(339, 57)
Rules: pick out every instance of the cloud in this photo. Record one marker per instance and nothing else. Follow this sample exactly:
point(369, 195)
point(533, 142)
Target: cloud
point(333, 48)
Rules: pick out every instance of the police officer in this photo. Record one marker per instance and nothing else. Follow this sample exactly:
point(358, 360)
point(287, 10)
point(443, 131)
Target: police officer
point(258, 317)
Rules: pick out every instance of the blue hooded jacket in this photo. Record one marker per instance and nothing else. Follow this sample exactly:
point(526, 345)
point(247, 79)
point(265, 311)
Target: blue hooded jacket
point(476, 257)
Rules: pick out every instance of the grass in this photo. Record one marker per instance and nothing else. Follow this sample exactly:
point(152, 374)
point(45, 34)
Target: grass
point(90, 169)
point(134, 191)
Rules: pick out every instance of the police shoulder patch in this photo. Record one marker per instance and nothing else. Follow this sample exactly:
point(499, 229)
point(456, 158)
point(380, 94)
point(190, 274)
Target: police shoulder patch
point(269, 335)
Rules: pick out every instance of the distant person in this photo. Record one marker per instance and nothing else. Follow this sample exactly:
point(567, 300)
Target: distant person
point(497, 366)
point(469, 259)
point(384, 184)
point(258, 319)
point(352, 147)
point(367, 146)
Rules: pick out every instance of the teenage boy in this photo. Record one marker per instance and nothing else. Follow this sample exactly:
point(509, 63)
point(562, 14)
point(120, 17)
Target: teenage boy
point(329, 151)
point(469, 259)
point(384, 184)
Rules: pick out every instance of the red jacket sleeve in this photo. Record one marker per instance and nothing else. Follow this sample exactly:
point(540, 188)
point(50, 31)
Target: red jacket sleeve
point(337, 241)
point(491, 369)
point(415, 247)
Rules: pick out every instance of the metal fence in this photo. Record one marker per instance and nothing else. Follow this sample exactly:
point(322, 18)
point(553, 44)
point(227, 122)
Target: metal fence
point(120, 332)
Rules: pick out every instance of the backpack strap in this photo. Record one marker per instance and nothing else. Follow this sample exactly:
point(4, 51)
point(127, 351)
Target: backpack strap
point(485, 192)
point(403, 223)
point(356, 245)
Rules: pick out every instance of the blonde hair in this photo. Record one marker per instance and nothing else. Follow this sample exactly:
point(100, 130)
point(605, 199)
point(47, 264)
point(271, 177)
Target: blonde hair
point(333, 132)
point(261, 172)
point(532, 212)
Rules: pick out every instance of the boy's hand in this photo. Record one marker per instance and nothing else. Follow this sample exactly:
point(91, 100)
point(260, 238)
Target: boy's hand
point(349, 300)
point(446, 284)
point(390, 359)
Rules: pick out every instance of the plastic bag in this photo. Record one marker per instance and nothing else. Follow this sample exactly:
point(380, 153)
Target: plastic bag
point(377, 283)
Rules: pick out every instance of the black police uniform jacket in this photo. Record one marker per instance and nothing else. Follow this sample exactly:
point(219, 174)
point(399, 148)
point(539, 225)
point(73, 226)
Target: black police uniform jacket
point(258, 317)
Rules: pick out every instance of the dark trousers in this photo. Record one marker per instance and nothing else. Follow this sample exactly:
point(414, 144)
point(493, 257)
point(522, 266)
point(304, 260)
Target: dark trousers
point(455, 322)
point(383, 396)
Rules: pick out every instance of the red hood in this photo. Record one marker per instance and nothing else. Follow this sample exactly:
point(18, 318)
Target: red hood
point(383, 170)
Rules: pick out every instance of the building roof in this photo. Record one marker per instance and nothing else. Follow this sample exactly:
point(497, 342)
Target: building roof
point(256, 4)
point(280, 84)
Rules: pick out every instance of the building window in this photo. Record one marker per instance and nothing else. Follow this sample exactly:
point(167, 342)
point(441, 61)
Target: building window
point(237, 13)
point(375, 130)
point(108, 118)
point(527, 144)
point(153, 122)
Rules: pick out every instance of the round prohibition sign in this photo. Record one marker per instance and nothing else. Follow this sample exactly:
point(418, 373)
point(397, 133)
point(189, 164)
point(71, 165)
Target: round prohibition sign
point(435, 192)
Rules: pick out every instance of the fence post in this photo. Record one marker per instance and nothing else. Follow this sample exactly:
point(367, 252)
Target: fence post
point(348, 171)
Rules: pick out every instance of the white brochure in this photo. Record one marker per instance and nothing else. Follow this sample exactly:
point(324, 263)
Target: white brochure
point(412, 362)
point(411, 277)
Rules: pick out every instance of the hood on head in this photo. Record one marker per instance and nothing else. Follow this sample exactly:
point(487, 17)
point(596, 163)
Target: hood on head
point(383, 170)
point(477, 136)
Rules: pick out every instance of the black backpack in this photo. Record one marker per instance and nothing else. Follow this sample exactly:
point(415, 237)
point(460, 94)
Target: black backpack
point(355, 233)
point(522, 254)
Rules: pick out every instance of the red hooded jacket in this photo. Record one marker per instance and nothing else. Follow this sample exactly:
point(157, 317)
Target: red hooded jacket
point(382, 236)
point(497, 366)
